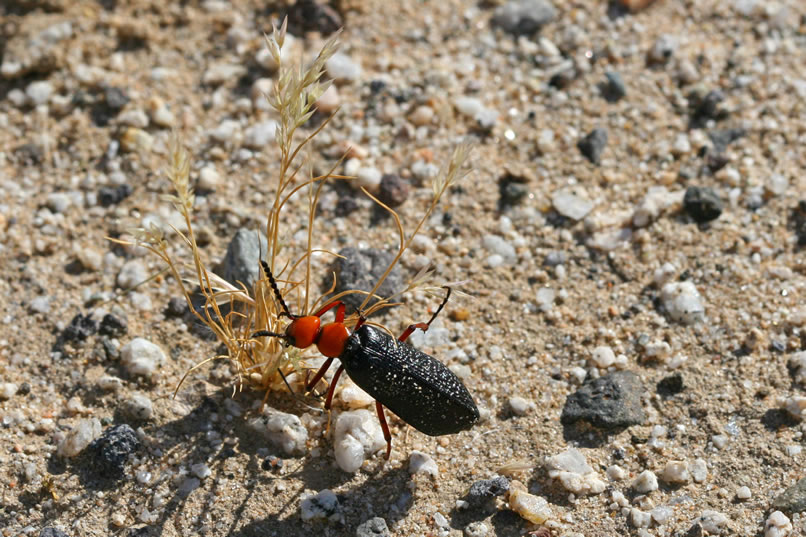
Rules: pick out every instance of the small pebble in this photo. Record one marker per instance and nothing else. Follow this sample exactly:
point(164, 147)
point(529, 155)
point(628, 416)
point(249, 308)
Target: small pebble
point(422, 115)
point(357, 435)
point(483, 492)
point(572, 470)
point(79, 437)
point(201, 470)
point(646, 482)
point(39, 92)
point(221, 73)
point(283, 430)
point(329, 101)
point(52, 532)
point(476, 529)
point(613, 89)
point(702, 204)
point(138, 407)
point(136, 140)
point(322, 505)
point(342, 68)
point(393, 190)
point(374, 527)
point(519, 405)
point(132, 273)
point(533, 508)
point(743, 493)
point(112, 195)
point(640, 519)
point(712, 521)
point(40, 304)
point(368, 177)
point(112, 450)
point(698, 470)
point(260, 134)
point(523, 17)
point(58, 202)
point(227, 132)
point(676, 472)
point(683, 302)
point(603, 357)
point(140, 357)
point(209, 179)
point(571, 204)
point(777, 525)
point(7, 390)
point(422, 463)
point(663, 49)
point(593, 145)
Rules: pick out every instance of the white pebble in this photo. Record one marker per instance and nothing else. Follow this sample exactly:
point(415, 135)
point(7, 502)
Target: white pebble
point(545, 298)
point(603, 357)
point(683, 302)
point(134, 117)
point(7, 390)
point(138, 406)
point(422, 463)
point(132, 272)
point(519, 405)
point(719, 441)
point(422, 115)
point(712, 521)
point(108, 383)
point(795, 406)
point(777, 525)
point(228, 131)
point(40, 304)
point(39, 92)
point(676, 472)
point(572, 470)
point(80, 437)
point(610, 239)
point(323, 505)
point(140, 301)
point(640, 519)
point(743, 493)
point(498, 245)
point(59, 202)
point(341, 67)
point(369, 177)
point(646, 482)
point(571, 204)
point(797, 363)
point(578, 374)
point(209, 178)
point(533, 508)
point(200, 470)
point(661, 514)
point(657, 351)
point(698, 470)
point(283, 430)
point(141, 357)
point(663, 274)
point(615, 472)
point(260, 134)
point(357, 435)
point(221, 73)
point(352, 396)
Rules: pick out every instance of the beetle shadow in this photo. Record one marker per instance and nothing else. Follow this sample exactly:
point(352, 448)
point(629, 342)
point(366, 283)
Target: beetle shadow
point(582, 434)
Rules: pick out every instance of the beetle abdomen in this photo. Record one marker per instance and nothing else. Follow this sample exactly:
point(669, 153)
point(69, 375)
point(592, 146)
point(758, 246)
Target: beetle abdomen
point(418, 388)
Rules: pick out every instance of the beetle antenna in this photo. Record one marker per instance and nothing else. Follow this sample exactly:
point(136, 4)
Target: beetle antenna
point(276, 290)
point(439, 309)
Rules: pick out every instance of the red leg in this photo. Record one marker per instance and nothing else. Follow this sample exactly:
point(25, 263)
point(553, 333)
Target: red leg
point(386, 434)
point(332, 388)
point(424, 326)
point(319, 374)
point(339, 312)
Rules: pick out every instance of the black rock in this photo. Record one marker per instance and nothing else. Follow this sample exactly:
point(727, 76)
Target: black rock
point(52, 532)
point(613, 88)
point(112, 449)
point(671, 385)
point(798, 222)
point(520, 17)
point(360, 269)
point(709, 106)
point(393, 190)
point(114, 326)
point(702, 204)
point(694, 531)
point(793, 499)
point(242, 261)
point(722, 138)
point(80, 328)
point(112, 195)
point(481, 492)
point(374, 527)
point(593, 145)
point(609, 402)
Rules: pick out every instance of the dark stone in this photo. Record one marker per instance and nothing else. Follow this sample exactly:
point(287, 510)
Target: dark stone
point(709, 106)
point(80, 328)
point(393, 190)
point(671, 385)
point(593, 145)
point(114, 326)
point(177, 307)
point(702, 204)
point(793, 499)
point(694, 531)
point(722, 138)
point(512, 189)
point(115, 98)
point(25, 389)
point(374, 527)
point(112, 195)
point(315, 16)
point(609, 402)
point(564, 78)
point(112, 449)
point(613, 88)
point(798, 222)
point(346, 205)
point(360, 269)
point(52, 532)
point(242, 261)
point(481, 492)
point(521, 17)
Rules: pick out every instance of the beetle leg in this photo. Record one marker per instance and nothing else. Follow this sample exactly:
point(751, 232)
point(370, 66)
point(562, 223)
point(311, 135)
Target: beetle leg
point(386, 434)
point(339, 312)
point(332, 388)
point(319, 375)
point(424, 326)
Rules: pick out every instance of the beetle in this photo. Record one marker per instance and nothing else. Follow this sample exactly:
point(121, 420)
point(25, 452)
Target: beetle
point(412, 384)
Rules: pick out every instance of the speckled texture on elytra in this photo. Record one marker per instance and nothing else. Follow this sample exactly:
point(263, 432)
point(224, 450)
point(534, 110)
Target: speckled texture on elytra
point(415, 386)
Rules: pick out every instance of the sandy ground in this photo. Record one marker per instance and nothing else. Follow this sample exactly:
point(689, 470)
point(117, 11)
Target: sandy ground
point(553, 287)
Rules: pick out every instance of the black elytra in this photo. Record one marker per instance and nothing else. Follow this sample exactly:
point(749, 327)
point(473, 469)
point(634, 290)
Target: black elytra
point(415, 386)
